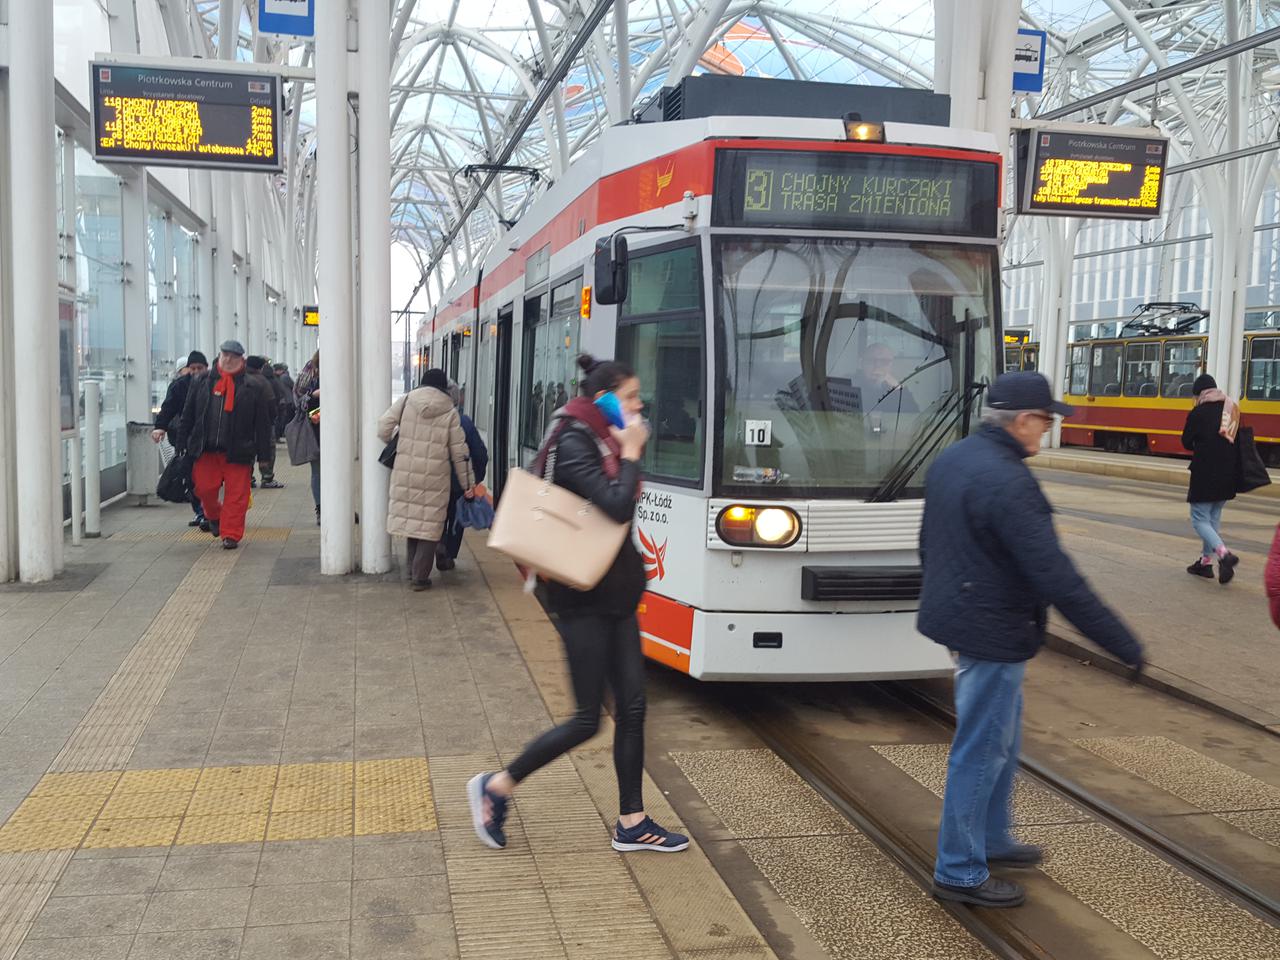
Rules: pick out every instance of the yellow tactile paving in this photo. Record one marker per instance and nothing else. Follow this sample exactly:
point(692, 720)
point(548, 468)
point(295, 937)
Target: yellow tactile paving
point(299, 801)
point(21, 836)
point(150, 832)
point(309, 824)
point(141, 806)
point(157, 781)
point(59, 808)
point(76, 784)
point(251, 535)
point(246, 828)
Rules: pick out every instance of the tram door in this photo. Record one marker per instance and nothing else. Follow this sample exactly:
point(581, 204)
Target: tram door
point(502, 402)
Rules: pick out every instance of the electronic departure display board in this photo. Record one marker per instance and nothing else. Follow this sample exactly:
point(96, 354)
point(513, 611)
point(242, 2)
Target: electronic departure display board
point(1091, 174)
point(890, 193)
point(311, 316)
point(186, 118)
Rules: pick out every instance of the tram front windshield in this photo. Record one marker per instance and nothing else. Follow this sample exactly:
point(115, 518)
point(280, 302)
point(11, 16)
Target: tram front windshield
point(843, 357)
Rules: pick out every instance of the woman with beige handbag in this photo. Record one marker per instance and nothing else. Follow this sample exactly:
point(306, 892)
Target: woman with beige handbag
point(592, 449)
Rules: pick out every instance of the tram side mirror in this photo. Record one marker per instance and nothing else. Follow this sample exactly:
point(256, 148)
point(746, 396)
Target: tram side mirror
point(611, 273)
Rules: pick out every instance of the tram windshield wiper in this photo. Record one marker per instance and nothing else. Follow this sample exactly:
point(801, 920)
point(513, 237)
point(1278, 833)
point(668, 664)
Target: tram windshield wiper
point(934, 435)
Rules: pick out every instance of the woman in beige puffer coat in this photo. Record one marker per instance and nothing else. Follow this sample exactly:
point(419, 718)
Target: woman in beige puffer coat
point(431, 447)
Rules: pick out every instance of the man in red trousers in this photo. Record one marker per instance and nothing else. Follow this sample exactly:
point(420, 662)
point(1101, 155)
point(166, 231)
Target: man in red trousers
point(226, 427)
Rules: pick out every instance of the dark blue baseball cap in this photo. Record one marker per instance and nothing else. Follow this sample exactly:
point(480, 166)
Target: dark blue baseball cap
point(1026, 390)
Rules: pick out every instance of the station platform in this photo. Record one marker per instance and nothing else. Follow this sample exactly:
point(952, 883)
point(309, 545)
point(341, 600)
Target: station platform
point(1131, 536)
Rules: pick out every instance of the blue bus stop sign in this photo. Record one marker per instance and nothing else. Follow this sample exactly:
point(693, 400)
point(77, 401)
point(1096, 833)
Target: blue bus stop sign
point(1028, 61)
point(295, 18)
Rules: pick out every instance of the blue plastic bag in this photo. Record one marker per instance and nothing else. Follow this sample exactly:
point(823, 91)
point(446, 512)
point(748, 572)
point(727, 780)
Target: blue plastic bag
point(476, 514)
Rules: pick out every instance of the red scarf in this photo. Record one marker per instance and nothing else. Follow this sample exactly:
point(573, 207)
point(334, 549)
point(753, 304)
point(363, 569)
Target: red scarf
point(586, 412)
point(225, 387)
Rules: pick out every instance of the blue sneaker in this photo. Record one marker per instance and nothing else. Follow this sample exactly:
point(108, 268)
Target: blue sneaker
point(647, 835)
point(488, 829)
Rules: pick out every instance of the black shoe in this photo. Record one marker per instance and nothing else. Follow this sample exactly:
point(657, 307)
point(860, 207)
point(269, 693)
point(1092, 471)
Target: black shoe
point(272, 485)
point(203, 524)
point(317, 516)
point(196, 522)
point(992, 892)
point(445, 563)
point(1226, 567)
point(1017, 855)
point(1199, 569)
point(215, 528)
point(229, 544)
point(417, 586)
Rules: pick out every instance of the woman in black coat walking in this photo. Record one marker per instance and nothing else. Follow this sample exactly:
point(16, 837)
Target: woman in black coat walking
point(1210, 435)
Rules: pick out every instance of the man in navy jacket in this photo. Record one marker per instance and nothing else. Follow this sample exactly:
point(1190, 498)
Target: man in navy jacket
point(992, 567)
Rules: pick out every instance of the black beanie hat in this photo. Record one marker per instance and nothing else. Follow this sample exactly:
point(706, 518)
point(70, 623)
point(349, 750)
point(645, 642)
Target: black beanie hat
point(195, 356)
point(1203, 382)
point(255, 362)
point(437, 378)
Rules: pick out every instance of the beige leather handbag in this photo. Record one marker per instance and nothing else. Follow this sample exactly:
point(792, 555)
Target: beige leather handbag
point(554, 532)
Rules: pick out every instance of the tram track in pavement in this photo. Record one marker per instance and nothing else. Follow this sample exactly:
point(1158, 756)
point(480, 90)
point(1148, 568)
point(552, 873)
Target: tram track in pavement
point(999, 930)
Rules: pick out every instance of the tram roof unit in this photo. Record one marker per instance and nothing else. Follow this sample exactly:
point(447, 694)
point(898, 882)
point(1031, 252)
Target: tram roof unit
point(631, 146)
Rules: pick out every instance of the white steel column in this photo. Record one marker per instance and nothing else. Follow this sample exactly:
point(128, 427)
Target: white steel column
point(137, 327)
point(375, 277)
point(34, 285)
point(224, 186)
point(333, 202)
point(202, 182)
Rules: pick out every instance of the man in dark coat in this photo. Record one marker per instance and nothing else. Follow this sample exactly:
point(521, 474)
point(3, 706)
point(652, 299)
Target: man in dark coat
point(259, 367)
point(171, 409)
point(1209, 434)
point(287, 406)
point(992, 567)
point(451, 543)
point(226, 426)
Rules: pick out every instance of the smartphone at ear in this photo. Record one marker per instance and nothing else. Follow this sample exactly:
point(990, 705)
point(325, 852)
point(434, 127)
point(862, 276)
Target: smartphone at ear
point(611, 408)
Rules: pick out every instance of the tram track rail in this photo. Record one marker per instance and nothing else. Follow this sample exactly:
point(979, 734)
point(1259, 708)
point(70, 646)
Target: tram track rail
point(997, 929)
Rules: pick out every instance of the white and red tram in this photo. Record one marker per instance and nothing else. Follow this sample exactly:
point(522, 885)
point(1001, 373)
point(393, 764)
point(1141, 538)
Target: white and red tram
point(810, 328)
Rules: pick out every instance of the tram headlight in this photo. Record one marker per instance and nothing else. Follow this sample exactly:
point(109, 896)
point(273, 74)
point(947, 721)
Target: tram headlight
point(748, 526)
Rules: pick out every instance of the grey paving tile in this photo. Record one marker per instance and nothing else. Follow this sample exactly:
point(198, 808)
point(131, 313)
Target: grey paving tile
point(197, 909)
point(389, 740)
point(123, 853)
point(253, 746)
point(300, 903)
point(76, 948)
point(188, 945)
point(408, 858)
point(404, 938)
point(402, 896)
point(88, 917)
point(251, 719)
point(306, 861)
point(304, 941)
point(93, 877)
point(209, 872)
point(317, 744)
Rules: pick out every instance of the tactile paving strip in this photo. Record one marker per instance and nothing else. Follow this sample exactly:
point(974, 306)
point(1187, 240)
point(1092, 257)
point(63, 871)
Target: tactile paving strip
point(1231, 795)
point(818, 863)
point(149, 808)
point(1173, 916)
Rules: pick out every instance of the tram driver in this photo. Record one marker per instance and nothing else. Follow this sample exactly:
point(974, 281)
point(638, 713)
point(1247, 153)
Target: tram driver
point(881, 391)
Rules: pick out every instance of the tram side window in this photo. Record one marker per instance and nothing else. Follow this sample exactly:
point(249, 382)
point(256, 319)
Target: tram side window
point(664, 345)
point(1182, 362)
point(1078, 371)
point(1264, 370)
point(1108, 360)
point(550, 348)
point(1142, 369)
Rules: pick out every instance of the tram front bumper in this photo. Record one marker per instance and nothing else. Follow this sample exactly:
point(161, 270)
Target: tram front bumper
point(813, 646)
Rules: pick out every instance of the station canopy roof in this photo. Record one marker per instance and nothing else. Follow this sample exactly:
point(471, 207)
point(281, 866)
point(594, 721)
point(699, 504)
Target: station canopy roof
point(464, 74)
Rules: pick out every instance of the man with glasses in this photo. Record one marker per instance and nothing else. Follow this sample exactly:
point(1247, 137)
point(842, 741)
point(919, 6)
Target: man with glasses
point(992, 567)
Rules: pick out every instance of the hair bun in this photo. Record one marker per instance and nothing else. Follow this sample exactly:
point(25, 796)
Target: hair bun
point(587, 362)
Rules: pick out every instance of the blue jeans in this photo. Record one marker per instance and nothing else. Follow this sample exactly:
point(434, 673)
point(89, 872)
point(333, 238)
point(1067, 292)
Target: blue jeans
point(1206, 518)
point(315, 482)
point(976, 809)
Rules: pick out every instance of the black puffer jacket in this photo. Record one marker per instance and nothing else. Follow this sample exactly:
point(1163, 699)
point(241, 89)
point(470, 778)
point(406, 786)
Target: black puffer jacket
point(175, 398)
point(992, 562)
point(580, 469)
point(246, 433)
point(1215, 461)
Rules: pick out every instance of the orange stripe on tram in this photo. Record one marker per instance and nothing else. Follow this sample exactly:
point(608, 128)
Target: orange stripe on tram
point(666, 631)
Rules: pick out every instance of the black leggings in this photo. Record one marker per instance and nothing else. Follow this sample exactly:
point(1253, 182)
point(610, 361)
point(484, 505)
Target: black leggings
point(600, 649)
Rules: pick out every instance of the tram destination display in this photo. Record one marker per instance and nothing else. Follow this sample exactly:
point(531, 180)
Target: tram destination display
point(1091, 174)
point(187, 118)
point(892, 193)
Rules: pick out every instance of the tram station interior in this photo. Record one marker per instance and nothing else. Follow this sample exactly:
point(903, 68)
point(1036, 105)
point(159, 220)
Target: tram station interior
point(817, 232)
